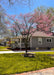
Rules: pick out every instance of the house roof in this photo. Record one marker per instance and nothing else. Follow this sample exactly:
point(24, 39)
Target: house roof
point(41, 34)
point(36, 34)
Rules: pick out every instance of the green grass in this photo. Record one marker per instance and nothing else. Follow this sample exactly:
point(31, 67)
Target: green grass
point(44, 52)
point(3, 48)
point(15, 63)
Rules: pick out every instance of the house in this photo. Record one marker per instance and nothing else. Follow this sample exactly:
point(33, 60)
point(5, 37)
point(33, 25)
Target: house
point(41, 40)
point(38, 40)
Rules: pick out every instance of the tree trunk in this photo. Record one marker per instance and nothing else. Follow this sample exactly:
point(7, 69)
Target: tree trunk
point(26, 50)
point(26, 46)
point(26, 41)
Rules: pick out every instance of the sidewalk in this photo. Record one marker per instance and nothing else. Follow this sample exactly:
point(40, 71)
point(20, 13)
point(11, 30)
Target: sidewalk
point(48, 71)
point(4, 52)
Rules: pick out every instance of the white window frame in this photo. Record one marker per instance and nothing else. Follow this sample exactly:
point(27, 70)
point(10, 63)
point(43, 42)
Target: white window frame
point(40, 40)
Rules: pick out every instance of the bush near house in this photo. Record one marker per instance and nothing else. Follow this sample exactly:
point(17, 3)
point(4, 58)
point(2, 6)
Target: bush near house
point(15, 63)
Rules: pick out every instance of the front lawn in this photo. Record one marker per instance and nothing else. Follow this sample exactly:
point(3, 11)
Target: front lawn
point(3, 48)
point(15, 63)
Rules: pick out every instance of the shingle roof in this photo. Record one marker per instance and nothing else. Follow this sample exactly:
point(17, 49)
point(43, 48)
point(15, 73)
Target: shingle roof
point(41, 34)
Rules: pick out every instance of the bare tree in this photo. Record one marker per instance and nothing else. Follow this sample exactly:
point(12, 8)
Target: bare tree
point(18, 2)
point(3, 27)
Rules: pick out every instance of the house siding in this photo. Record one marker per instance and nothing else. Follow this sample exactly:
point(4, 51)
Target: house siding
point(44, 42)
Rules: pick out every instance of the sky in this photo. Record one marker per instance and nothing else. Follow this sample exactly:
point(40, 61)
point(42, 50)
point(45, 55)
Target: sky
point(17, 9)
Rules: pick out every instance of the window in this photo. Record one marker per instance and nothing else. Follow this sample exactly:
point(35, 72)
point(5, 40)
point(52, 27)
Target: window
point(49, 40)
point(39, 40)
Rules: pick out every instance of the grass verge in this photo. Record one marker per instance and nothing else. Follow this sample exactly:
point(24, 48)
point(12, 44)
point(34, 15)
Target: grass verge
point(44, 52)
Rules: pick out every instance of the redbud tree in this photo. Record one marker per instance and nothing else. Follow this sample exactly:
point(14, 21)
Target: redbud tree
point(28, 24)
